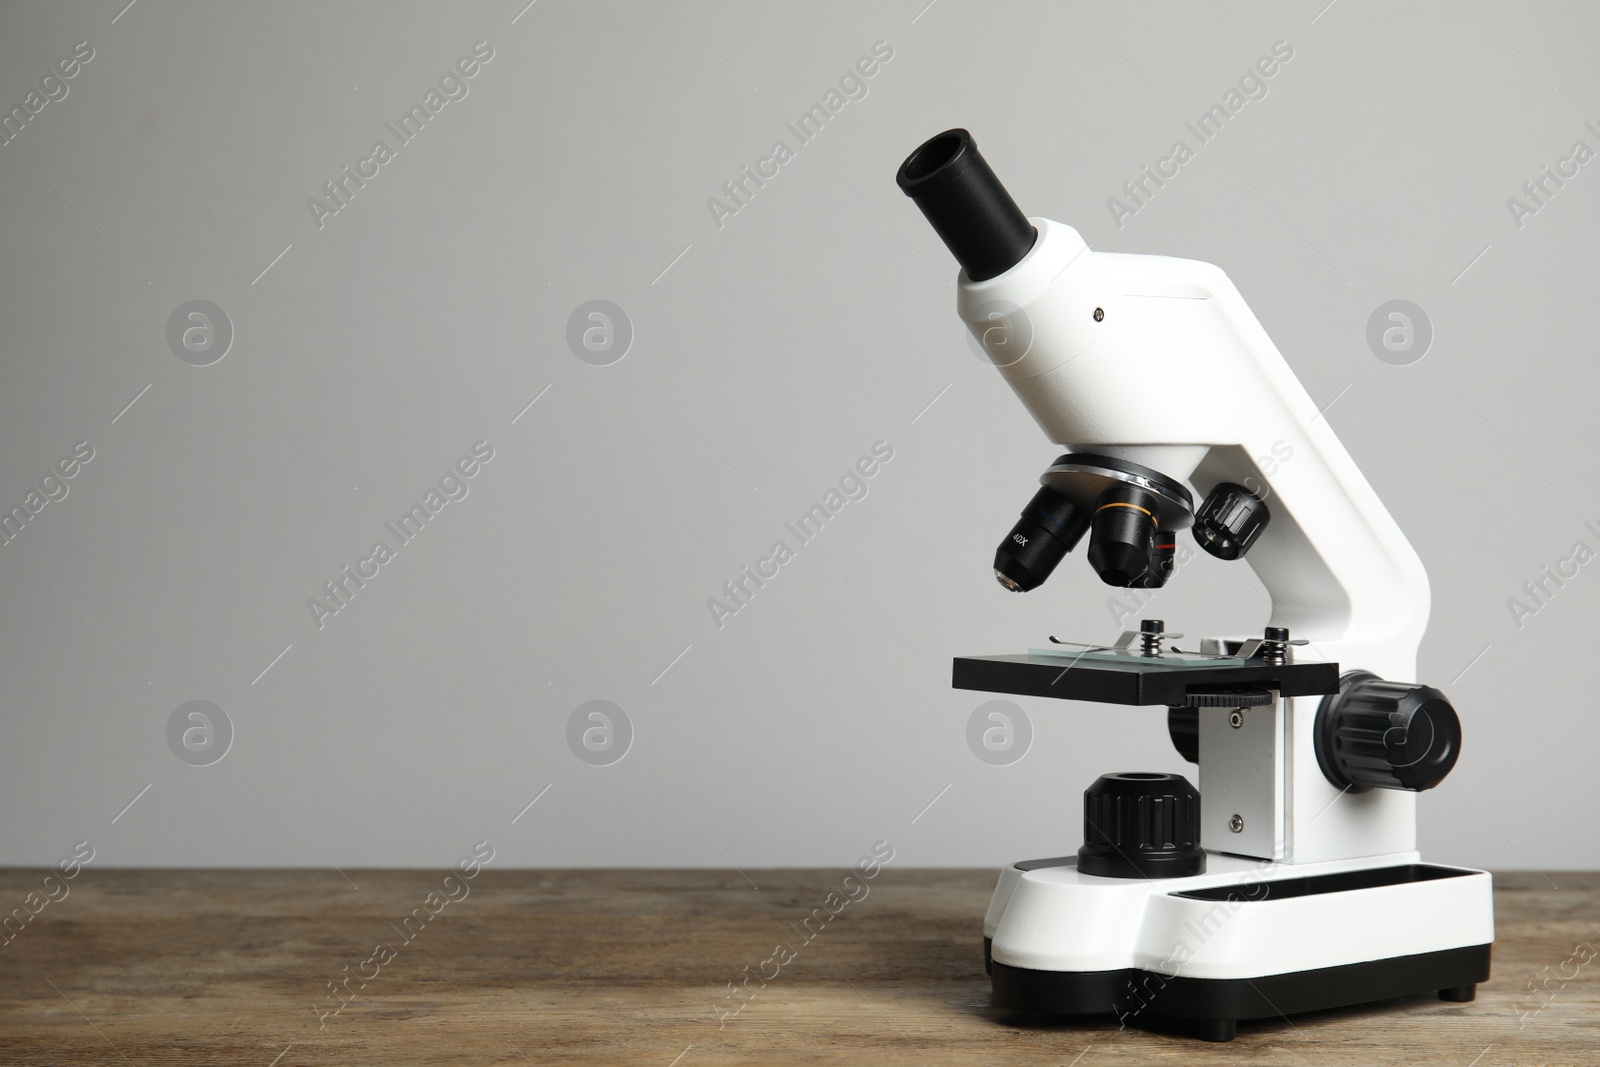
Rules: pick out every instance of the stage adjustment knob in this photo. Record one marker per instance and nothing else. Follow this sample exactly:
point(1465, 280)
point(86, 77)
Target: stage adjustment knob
point(1139, 825)
point(1230, 521)
point(1374, 734)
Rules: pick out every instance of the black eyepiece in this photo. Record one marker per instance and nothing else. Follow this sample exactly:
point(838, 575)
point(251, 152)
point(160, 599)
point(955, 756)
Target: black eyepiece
point(1122, 546)
point(968, 207)
point(1049, 528)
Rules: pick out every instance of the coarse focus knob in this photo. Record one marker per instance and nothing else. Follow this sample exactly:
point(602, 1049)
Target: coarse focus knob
point(1230, 520)
point(1141, 825)
point(1374, 734)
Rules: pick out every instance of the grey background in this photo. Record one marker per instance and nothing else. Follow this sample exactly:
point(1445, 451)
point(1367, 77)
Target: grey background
point(768, 356)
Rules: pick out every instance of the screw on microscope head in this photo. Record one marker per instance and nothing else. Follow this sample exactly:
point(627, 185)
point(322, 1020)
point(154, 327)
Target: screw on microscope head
point(1099, 314)
point(1236, 824)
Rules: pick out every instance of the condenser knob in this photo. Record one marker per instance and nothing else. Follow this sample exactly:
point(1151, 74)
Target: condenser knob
point(1141, 825)
point(1374, 734)
point(1230, 521)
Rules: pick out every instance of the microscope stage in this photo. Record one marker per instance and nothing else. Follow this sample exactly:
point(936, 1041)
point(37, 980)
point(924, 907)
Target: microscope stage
point(1138, 680)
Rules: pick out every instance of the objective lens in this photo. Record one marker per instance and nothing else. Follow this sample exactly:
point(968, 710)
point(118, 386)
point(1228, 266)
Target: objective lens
point(1122, 544)
point(1163, 561)
point(1049, 528)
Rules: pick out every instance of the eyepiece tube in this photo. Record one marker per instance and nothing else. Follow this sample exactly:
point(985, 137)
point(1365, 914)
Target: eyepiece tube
point(968, 207)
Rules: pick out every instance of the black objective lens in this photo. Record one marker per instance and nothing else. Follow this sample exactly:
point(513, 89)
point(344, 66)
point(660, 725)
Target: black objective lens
point(1163, 561)
point(1122, 544)
point(1049, 528)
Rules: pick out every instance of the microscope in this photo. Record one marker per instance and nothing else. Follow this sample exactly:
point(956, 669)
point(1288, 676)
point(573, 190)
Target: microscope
point(1296, 886)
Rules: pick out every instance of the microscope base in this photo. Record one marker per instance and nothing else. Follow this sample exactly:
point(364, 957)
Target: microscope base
point(1216, 1005)
point(1246, 940)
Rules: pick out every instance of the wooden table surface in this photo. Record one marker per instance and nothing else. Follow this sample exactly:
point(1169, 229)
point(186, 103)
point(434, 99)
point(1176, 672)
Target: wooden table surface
point(632, 967)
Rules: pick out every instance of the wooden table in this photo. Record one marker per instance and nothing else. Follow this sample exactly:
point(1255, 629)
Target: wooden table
point(632, 967)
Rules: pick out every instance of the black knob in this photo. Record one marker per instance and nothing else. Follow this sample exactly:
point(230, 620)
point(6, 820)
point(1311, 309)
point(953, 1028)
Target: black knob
point(1374, 734)
point(1139, 825)
point(1230, 520)
point(1049, 528)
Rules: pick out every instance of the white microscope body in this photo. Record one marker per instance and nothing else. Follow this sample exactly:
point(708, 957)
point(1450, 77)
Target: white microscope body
point(1313, 894)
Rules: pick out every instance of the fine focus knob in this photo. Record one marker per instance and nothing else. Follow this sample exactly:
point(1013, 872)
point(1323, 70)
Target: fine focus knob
point(1374, 734)
point(1230, 520)
point(1140, 825)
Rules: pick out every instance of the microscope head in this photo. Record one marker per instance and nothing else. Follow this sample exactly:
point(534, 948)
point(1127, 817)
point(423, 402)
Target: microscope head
point(1130, 511)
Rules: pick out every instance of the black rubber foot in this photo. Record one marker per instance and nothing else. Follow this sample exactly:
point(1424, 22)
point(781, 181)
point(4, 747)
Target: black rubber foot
point(1216, 1029)
point(1460, 994)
